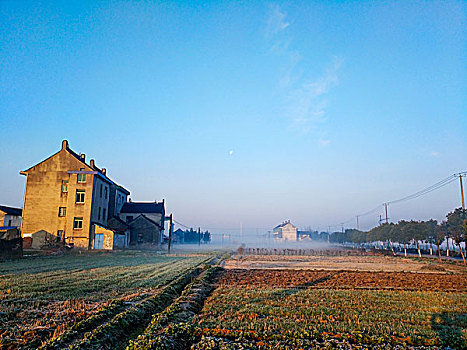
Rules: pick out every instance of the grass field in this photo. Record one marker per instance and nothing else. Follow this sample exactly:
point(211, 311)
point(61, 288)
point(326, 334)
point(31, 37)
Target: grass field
point(40, 297)
point(141, 300)
point(379, 302)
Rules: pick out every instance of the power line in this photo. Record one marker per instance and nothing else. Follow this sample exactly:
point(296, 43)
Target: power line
point(420, 193)
point(427, 190)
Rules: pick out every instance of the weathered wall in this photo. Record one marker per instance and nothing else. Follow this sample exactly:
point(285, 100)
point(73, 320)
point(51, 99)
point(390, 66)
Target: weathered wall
point(289, 233)
point(43, 197)
point(108, 237)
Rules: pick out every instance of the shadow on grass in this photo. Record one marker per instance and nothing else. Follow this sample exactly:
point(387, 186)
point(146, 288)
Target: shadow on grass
point(449, 326)
point(294, 290)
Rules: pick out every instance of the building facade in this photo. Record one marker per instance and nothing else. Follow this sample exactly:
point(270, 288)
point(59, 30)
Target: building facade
point(65, 197)
point(285, 232)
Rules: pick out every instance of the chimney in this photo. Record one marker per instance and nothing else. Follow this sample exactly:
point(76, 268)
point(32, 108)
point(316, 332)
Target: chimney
point(104, 171)
point(129, 200)
point(91, 162)
point(64, 144)
point(83, 157)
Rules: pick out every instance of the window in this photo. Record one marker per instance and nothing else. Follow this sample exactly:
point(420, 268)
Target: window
point(77, 223)
point(64, 186)
point(80, 196)
point(81, 177)
point(101, 190)
point(99, 214)
point(9, 222)
point(103, 214)
point(59, 235)
point(105, 191)
point(62, 211)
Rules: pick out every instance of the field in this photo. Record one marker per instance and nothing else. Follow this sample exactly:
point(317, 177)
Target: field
point(265, 302)
point(136, 301)
point(41, 297)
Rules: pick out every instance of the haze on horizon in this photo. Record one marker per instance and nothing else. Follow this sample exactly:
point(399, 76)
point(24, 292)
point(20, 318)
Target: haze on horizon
point(242, 115)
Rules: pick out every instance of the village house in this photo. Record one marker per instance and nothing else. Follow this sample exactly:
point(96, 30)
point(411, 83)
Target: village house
point(285, 232)
point(10, 217)
point(68, 200)
point(146, 221)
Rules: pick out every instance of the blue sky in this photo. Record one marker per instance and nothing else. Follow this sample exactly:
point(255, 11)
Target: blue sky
point(242, 113)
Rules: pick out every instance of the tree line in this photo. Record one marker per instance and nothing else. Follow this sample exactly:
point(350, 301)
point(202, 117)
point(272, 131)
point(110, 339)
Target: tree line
point(412, 232)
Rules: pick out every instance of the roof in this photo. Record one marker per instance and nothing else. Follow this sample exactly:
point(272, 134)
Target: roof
point(115, 223)
point(143, 207)
point(11, 210)
point(283, 224)
point(146, 218)
point(100, 172)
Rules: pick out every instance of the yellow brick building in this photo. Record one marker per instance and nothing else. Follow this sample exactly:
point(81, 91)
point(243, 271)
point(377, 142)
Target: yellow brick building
point(65, 197)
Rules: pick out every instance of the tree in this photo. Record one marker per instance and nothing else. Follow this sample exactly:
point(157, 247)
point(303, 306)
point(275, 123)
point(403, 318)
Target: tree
point(414, 231)
point(400, 234)
point(441, 234)
point(430, 231)
point(455, 225)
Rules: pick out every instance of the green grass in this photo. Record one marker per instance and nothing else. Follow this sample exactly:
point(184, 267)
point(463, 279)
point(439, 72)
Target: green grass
point(95, 277)
point(377, 313)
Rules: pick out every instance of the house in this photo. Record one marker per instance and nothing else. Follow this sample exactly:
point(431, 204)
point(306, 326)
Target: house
point(67, 200)
point(178, 236)
point(145, 230)
point(146, 221)
point(105, 238)
point(285, 232)
point(10, 217)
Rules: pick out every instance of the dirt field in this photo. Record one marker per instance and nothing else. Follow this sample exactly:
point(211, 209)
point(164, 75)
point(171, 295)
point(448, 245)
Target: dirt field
point(344, 279)
point(347, 263)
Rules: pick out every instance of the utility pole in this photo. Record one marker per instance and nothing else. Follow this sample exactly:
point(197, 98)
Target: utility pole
point(386, 210)
point(358, 227)
point(170, 232)
point(199, 236)
point(462, 191)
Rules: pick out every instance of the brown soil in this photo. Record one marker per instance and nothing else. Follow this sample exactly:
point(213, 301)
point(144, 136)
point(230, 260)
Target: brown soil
point(343, 279)
point(349, 263)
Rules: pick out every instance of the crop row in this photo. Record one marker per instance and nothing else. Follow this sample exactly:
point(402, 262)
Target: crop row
point(343, 279)
point(119, 319)
point(37, 306)
point(422, 318)
point(170, 329)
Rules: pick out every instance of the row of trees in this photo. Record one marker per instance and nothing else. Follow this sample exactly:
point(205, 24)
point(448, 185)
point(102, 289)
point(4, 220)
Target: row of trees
point(412, 232)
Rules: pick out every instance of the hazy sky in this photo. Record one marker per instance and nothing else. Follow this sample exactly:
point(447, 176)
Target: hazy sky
point(240, 112)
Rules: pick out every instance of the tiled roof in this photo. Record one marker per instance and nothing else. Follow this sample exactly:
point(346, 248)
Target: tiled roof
point(11, 211)
point(141, 207)
point(145, 218)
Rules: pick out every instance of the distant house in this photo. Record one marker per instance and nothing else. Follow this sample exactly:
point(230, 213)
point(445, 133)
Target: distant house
point(285, 232)
point(65, 198)
point(178, 236)
point(10, 217)
point(146, 221)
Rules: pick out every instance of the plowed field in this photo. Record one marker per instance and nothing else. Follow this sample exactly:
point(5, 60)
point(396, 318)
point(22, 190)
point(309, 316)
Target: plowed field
point(343, 280)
